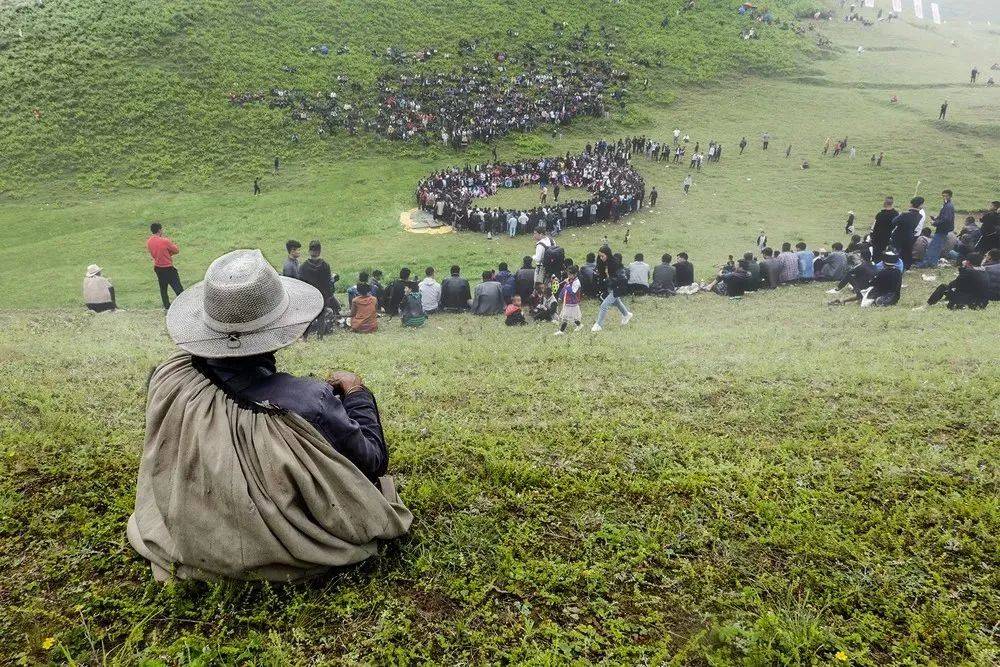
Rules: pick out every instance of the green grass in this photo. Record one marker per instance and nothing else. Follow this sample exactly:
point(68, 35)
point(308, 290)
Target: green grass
point(765, 481)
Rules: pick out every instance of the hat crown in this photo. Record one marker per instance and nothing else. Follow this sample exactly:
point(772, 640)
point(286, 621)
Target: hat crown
point(242, 292)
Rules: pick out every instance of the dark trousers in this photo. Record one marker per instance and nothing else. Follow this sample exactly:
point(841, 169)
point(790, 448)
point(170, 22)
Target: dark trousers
point(168, 276)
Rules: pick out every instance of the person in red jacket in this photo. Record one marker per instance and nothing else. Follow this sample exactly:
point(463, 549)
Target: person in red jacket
point(162, 250)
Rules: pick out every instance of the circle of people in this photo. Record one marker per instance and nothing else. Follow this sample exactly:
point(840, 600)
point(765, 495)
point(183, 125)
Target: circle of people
point(604, 169)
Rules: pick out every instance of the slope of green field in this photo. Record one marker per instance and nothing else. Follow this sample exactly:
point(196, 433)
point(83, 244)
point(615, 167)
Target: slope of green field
point(135, 93)
point(765, 481)
point(760, 482)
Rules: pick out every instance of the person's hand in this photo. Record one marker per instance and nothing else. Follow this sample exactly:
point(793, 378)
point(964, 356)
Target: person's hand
point(345, 383)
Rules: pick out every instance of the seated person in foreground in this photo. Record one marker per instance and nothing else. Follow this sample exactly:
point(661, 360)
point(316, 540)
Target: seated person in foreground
point(248, 472)
point(858, 277)
point(411, 311)
point(98, 292)
point(991, 265)
point(887, 285)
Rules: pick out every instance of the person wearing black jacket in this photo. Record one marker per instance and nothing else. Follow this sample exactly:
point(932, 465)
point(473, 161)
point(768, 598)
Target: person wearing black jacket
point(989, 230)
point(881, 231)
point(456, 294)
point(588, 276)
point(904, 231)
point(316, 272)
point(971, 289)
point(887, 283)
point(397, 291)
point(859, 277)
point(683, 271)
point(610, 269)
point(524, 280)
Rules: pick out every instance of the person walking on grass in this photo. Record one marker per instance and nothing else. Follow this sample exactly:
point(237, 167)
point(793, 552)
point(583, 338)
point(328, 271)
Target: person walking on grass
point(653, 196)
point(610, 270)
point(765, 139)
point(944, 111)
point(277, 165)
point(743, 145)
point(256, 186)
point(162, 250)
point(688, 182)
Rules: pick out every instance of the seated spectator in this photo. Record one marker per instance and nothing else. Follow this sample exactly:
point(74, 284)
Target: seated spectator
point(991, 264)
point(753, 271)
point(514, 313)
point(855, 245)
point(430, 292)
point(859, 277)
point(488, 296)
point(989, 229)
point(731, 281)
point(98, 292)
point(456, 294)
point(524, 280)
point(544, 303)
point(971, 289)
point(588, 276)
point(920, 245)
point(352, 291)
point(770, 269)
point(683, 271)
point(638, 276)
point(789, 262)
point(411, 311)
point(378, 291)
point(833, 265)
point(887, 283)
point(806, 259)
point(506, 280)
point(364, 316)
point(397, 292)
point(244, 465)
point(663, 277)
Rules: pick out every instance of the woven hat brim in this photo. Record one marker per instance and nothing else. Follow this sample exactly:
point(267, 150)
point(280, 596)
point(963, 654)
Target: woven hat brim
point(189, 331)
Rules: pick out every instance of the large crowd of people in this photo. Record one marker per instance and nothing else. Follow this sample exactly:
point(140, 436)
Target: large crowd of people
point(481, 101)
point(603, 169)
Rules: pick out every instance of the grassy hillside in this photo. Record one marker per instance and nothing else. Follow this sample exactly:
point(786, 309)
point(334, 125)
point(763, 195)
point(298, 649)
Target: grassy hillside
point(135, 93)
point(759, 482)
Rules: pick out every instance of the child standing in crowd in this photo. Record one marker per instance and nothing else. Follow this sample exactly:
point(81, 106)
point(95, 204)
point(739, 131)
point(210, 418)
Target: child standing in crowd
point(570, 293)
point(514, 314)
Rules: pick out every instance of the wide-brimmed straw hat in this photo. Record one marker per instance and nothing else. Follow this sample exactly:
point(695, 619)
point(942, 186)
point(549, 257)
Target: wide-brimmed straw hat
point(242, 308)
point(93, 270)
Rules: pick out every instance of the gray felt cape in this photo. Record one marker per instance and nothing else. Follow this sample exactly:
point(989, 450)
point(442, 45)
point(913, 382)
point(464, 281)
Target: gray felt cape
point(244, 492)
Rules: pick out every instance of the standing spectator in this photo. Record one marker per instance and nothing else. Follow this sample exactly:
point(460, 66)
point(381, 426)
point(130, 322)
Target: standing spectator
point(98, 292)
point(944, 224)
point(277, 165)
point(256, 186)
point(543, 242)
point(989, 229)
point(766, 139)
point(162, 250)
point(653, 196)
point(316, 272)
point(290, 269)
point(881, 232)
point(688, 182)
point(430, 292)
point(904, 228)
point(944, 111)
point(743, 145)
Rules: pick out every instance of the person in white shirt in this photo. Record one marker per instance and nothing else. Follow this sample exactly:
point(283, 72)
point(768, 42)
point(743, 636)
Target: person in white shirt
point(542, 241)
point(522, 220)
point(430, 292)
point(638, 276)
